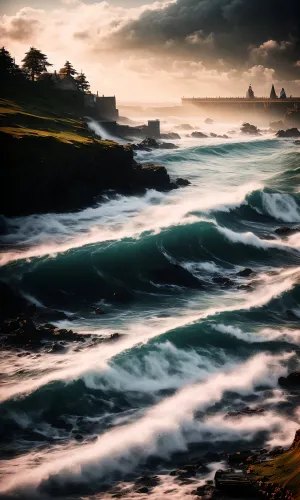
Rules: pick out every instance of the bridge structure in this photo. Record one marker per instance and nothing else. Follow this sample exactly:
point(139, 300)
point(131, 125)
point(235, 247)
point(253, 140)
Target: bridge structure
point(243, 105)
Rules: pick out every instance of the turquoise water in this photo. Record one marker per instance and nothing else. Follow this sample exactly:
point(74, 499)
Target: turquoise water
point(197, 338)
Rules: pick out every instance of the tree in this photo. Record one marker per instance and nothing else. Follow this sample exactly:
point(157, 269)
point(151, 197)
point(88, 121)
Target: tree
point(82, 82)
point(35, 63)
point(67, 69)
point(7, 64)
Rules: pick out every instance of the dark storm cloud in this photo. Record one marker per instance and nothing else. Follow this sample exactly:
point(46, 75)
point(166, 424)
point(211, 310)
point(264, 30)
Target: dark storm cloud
point(231, 29)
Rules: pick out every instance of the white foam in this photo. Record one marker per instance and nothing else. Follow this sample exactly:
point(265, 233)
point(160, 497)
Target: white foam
point(165, 428)
point(281, 206)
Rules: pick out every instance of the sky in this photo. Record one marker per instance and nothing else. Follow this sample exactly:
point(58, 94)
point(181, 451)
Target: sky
point(163, 50)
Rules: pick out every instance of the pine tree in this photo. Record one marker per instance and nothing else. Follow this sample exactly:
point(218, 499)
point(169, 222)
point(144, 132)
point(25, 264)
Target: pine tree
point(35, 63)
point(82, 82)
point(67, 69)
point(7, 64)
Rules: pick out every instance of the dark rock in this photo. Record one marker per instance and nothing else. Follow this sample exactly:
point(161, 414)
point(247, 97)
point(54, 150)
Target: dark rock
point(167, 145)
point(292, 380)
point(78, 437)
point(225, 136)
point(198, 135)
point(244, 273)
point(278, 450)
point(212, 456)
point(237, 482)
point(287, 230)
point(213, 135)
point(57, 347)
point(182, 182)
point(209, 121)
point(222, 280)
point(245, 412)
point(239, 457)
point(297, 143)
point(149, 481)
point(170, 136)
point(290, 132)
point(249, 129)
point(114, 336)
point(153, 176)
point(143, 489)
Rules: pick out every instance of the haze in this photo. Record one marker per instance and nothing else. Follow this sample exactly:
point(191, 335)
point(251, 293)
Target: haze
point(161, 51)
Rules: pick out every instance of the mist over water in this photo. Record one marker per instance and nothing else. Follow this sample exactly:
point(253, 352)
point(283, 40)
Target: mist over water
point(199, 337)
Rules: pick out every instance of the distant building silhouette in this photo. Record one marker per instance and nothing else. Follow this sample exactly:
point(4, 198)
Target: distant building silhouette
point(273, 94)
point(282, 94)
point(250, 93)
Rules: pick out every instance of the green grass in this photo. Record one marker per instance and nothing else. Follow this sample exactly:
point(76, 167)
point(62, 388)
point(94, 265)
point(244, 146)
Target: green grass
point(32, 119)
point(282, 471)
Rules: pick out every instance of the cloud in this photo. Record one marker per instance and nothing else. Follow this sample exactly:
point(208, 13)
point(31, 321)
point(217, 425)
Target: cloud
point(208, 47)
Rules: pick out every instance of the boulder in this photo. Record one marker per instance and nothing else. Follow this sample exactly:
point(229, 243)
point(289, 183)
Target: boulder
point(297, 143)
point(233, 482)
point(291, 381)
point(182, 182)
point(167, 145)
point(290, 132)
point(198, 135)
point(170, 135)
point(285, 230)
point(245, 412)
point(249, 129)
point(244, 273)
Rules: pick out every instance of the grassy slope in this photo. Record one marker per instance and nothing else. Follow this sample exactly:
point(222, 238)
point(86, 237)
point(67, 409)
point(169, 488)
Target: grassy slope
point(282, 471)
point(34, 119)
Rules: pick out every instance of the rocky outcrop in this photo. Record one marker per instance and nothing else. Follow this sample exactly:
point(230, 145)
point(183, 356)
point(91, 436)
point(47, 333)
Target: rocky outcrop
point(290, 132)
point(291, 381)
point(42, 174)
point(198, 135)
point(249, 129)
point(170, 136)
point(209, 121)
point(149, 143)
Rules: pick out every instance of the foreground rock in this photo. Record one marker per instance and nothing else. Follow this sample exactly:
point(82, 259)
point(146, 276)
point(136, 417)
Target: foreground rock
point(291, 381)
point(249, 129)
point(290, 132)
point(149, 143)
point(42, 174)
point(198, 135)
point(234, 482)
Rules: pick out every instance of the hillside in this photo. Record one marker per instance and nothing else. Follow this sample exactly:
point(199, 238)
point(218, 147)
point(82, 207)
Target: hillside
point(53, 162)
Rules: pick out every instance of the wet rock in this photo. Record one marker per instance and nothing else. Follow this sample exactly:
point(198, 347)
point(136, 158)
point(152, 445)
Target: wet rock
point(198, 135)
point(239, 457)
point(292, 380)
point(290, 132)
point(233, 482)
point(114, 336)
point(222, 280)
point(167, 145)
point(56, 348)
point(297, 143)
point(143, 489)
point(249, 129)
point(244, 273)
point(149, 481)
point(245, 412)
point(171, 136)
point(182, 182)
point(78, 437)
point(209, 121)
point(285, 230)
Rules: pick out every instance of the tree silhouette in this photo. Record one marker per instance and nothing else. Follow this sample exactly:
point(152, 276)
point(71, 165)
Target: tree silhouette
point(35, 63)
point(67, 69)
point(82, 82)
point(8, 67)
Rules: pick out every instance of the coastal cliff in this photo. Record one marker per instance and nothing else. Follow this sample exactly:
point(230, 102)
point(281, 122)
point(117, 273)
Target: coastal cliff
point(54, 163)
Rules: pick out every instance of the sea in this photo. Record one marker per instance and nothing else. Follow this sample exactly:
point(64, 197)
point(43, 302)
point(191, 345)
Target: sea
point(204, 292)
